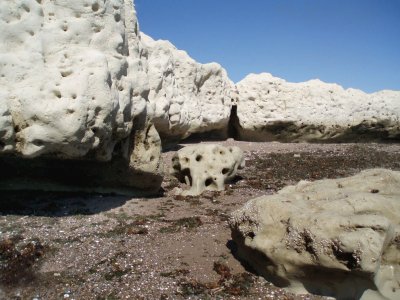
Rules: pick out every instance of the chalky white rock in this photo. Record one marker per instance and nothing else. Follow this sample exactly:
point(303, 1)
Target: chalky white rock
point(206, 167)
point(185, 96)
point(72, 79)
point(269, 108)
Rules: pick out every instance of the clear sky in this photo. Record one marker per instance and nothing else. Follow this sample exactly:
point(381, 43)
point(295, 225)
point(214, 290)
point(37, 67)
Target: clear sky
point(355, 43)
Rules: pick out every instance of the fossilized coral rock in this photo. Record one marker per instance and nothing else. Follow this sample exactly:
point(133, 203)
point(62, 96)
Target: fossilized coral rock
point(185, 96)
point(337, 237)
point(270, 108)
point(206, 167)
point(72, 79)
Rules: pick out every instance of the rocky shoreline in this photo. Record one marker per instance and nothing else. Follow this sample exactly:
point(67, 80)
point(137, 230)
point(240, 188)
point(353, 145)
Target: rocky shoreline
point(168, 247)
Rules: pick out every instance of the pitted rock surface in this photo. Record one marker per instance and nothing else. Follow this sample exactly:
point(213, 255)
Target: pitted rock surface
point(73, 83)
point(206, 167)
point(270, 108)
point(336, 237)
point(185, 97)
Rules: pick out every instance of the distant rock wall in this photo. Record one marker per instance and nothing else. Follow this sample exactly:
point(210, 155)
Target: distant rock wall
point(185, 97)
point(73, 83)
point(269, 108)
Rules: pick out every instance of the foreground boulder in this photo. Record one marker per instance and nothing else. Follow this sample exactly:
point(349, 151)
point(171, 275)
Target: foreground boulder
point(270, 108)
point(185, 97)
point(72, 98)
point(206, 167)
point(337, 237)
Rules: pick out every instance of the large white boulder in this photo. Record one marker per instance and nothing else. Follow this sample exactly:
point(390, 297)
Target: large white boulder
point(73, 83)
point(269, 108)
point(185, 96)
point(336, 237)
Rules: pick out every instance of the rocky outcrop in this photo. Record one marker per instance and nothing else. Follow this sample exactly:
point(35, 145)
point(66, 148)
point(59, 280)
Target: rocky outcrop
point(270, 108)
point(336, 237)
point(206, 167)
point(74, 92)
point(185, 97)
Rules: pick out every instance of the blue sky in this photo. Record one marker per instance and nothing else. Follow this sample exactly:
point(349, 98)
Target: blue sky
point(355, 43)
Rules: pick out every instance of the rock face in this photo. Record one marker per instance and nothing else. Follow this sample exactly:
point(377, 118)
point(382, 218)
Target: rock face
point(74, 86)
point(331, 237)
point(270, 108)
point(185, 97)
point(206, 167)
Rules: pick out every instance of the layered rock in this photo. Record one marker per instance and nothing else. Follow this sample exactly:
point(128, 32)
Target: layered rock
point(185, 97)
point(336, 237)
point(270, 108)
point(73, 89)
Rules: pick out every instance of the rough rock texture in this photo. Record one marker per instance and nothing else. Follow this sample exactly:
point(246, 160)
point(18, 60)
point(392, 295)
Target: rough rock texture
point(73, 84)
point(270, 108)
point(185, 96)
point(206, 166)
point(336, 237)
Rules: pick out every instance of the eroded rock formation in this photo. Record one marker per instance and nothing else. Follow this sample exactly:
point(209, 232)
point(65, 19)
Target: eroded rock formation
point(206, 167)
point(269, 108)
point(74, 92)
point(337, 237)
point(185, 97)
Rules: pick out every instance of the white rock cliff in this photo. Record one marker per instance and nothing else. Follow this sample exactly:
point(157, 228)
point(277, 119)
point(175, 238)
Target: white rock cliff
point(269, 108)
point(185, 96)
point(72, 81)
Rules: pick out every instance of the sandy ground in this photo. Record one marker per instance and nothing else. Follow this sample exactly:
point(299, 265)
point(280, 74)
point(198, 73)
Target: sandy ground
point(76, 246)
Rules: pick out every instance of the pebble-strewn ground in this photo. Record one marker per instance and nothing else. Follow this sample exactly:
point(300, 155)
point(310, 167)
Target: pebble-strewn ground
point(56, 246)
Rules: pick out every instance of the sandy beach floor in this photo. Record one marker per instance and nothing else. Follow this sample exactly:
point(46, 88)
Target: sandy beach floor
point(77, 246)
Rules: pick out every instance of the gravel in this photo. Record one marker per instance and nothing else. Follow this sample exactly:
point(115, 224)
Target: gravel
point(80, 246)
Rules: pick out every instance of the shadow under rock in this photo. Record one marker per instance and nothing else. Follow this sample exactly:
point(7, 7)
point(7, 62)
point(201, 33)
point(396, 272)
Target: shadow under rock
point(57, 204)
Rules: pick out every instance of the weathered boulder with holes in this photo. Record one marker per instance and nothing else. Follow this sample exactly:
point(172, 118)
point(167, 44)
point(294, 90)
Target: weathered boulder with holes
point(337, 237)
point(72, 98)
point(206, 167)
point(185, 97)
point(269, 108)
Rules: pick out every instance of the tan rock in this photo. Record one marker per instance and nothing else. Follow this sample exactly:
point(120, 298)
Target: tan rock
point(337, 237)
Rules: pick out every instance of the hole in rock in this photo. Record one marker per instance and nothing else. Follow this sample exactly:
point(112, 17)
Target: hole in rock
point(233, 125)
point(57, 94)
point(73, 96)
point(95, 6)
point(225, 171)
point(251, 235)
point(37, 143)
point(117, 17)
point(65, 73)
point(208, 181)
point(39, 1)
point(199, 158)
point(2, 145)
